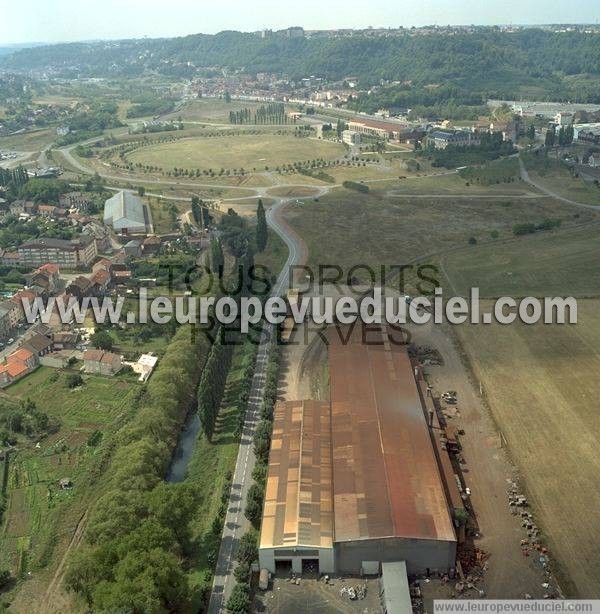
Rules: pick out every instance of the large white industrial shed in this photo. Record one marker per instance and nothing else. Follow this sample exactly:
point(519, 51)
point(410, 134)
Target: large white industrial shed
point(127, 213)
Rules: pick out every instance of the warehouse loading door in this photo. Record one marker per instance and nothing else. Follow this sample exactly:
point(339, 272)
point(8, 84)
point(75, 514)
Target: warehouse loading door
point(370, 568)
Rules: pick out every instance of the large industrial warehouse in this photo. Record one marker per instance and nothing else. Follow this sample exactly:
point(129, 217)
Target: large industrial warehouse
point(354, 483)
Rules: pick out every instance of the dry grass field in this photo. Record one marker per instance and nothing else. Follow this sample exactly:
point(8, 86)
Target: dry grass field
point(346, 227)
point(542, 385)
point(245, 151)
point(212, 110)
point(565, 263)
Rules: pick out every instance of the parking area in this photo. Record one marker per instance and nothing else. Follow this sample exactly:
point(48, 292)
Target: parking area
point(289, 594)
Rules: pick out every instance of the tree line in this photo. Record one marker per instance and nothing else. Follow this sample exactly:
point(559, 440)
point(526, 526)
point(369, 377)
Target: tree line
point(273, 113)
point(523, 59)
point(138, 532)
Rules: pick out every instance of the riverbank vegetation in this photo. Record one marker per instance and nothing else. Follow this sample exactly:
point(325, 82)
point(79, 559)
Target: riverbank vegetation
point(138, 536)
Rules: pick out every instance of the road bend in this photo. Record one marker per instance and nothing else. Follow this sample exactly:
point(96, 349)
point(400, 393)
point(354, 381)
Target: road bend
point(236, 524)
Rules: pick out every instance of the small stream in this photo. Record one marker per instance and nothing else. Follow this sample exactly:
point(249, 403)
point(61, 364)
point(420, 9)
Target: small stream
point(185, 448)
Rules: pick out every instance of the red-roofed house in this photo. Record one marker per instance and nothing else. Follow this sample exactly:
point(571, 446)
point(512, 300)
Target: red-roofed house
point(18, 364)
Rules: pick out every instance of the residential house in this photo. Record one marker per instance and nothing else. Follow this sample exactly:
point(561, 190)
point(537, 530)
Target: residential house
point(10, 258)
point(17, 365)
point(99, 233)
point(351, 137)
point(19, 297)
point(103, 264)
point(50, 211)
point(9, 317)
point(52, 273)
point(75, 200)
point(151, 246)
point(75, 253)
point(38, 344)
point(101, 362)
point(132, 249)
point(455, 138)
point(99, 282)
point(64, 340)
point(121, 274)
point(79, 287)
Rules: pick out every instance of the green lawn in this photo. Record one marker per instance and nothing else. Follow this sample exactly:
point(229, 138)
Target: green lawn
point(229, 152)
point(164, 215)
point(100, 400)
point(274, 256)
point(33, 140)
point(212, 110)
point(556, 177)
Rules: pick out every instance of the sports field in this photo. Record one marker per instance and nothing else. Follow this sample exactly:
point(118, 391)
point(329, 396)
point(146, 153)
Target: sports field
point(229, 152)
point(542, 385)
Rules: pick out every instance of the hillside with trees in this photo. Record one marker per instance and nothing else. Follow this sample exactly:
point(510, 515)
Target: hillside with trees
point(485, 63)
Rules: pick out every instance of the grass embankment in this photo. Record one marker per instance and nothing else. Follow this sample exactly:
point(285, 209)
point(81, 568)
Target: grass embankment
point(560, 178)
point(273, 258)
point(212, 463)
point(140, 525)
point(350, 228)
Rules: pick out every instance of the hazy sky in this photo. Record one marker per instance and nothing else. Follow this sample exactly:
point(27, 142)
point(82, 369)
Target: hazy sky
point(69, 20)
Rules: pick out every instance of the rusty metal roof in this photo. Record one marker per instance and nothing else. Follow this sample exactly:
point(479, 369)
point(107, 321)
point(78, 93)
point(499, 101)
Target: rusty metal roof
point(298, 507)
point(386, 481)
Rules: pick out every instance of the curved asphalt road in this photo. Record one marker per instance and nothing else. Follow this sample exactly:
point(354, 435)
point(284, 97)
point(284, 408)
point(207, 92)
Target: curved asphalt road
point(236, 523)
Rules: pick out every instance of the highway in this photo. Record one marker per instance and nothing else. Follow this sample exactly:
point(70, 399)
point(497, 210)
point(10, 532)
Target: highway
point(236, 523)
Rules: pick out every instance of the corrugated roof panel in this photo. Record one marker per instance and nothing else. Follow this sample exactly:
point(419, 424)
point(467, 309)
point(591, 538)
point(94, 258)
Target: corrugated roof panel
point(386, 481)
point(298, 501)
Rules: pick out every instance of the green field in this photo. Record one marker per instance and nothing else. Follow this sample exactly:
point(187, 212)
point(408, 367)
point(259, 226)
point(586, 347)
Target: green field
point(29, 141)
point(556, 263)
point(245, 151)
point(40, 518)
point(556, 177)
point(164, 215)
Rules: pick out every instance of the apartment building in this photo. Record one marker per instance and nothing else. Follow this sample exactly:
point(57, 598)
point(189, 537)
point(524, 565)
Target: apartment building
point(76, 253)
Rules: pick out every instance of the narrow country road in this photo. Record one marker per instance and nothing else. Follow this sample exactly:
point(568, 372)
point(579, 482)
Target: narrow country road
point(525, 176)
point(236, 523)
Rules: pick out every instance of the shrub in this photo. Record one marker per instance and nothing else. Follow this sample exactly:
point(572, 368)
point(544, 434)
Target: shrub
point(73, 380)
point(354, 185)
point(239, 600)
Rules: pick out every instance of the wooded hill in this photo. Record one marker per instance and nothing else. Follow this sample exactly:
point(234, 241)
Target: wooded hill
point(488, 62)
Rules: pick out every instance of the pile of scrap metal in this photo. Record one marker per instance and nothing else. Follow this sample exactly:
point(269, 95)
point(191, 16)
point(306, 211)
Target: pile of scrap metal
point(427, 355)
point(354, 592)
